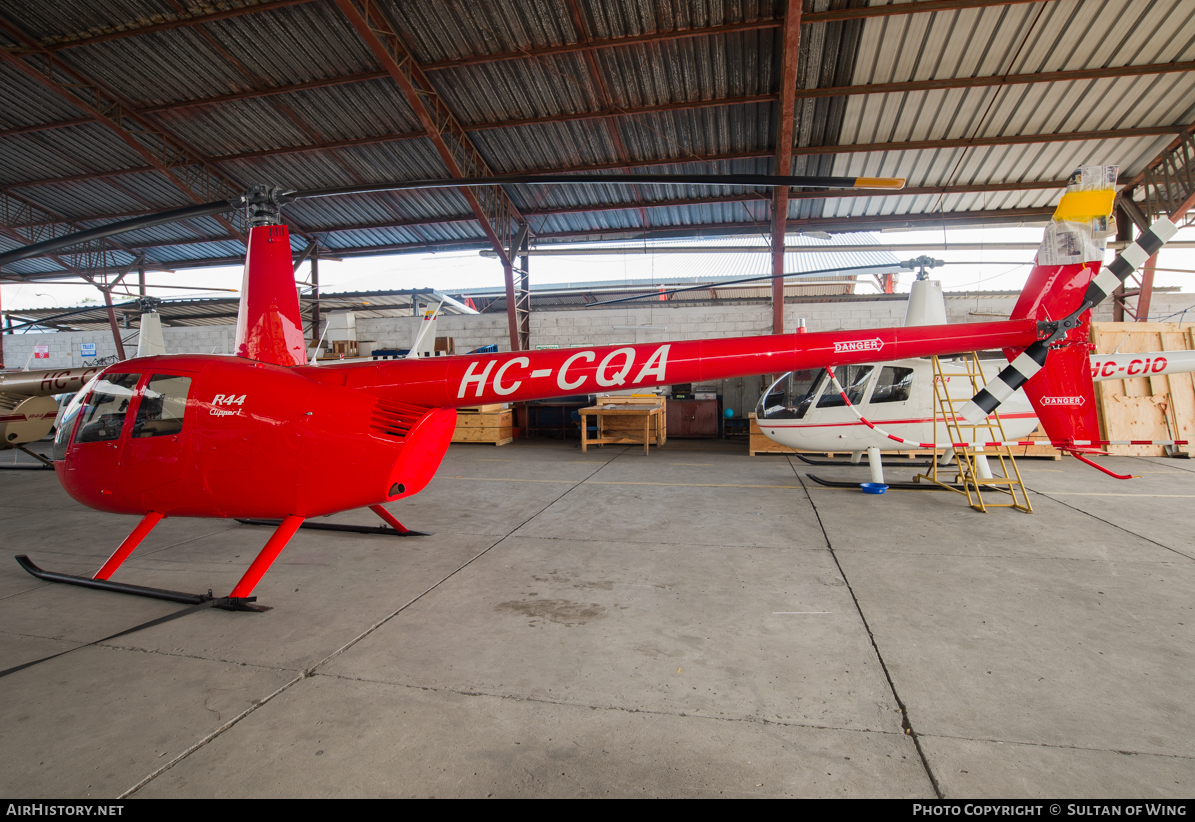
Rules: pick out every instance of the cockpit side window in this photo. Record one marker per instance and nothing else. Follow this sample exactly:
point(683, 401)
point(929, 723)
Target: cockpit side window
point(894, 385)
point(106, 408)
point(790, 396)
point(163, 404)
point(851, 377)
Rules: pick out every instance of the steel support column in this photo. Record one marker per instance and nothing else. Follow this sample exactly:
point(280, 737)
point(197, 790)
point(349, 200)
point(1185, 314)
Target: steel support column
point(112, 322)
point(315, 312)
point(1145, 297)
point(523, 297)
point(512, 321)
point(784, 156)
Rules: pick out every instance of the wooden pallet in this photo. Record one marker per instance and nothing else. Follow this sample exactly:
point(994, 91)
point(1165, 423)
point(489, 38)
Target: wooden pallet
point(493, 425)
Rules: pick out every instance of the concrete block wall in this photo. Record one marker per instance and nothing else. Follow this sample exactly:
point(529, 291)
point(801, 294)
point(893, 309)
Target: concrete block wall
point(578, 328)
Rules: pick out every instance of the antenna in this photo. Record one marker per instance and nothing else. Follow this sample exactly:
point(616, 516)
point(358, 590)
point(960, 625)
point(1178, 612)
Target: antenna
point(315, 351)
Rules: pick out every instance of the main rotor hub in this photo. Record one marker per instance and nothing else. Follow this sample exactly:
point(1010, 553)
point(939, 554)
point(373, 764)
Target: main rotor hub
point(923, 262)
point(263, 205)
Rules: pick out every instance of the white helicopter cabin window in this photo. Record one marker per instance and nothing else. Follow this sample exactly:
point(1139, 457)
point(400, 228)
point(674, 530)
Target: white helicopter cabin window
point(894, 385)
point(790, 396)
point(851, 377)
point(163, 404)
point(104, 413)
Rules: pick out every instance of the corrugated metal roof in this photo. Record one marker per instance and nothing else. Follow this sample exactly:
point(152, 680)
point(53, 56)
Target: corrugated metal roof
point(313, 41)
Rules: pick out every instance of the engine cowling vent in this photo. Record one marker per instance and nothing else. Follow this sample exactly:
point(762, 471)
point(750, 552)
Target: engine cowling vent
point(395, 419)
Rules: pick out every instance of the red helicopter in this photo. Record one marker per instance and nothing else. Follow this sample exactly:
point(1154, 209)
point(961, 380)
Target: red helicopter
point(235, 436)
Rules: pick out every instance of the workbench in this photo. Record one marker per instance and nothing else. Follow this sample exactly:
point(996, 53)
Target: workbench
point(615, 413)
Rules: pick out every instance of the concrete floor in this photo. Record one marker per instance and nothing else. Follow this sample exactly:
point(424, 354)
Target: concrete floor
point(692, 623)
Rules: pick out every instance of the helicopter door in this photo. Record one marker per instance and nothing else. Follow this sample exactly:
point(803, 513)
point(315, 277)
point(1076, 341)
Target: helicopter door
point(158, 450)
point(95, 451)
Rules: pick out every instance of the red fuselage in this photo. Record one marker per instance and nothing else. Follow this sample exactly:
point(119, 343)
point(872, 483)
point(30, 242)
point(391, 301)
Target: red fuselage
point(263, 440)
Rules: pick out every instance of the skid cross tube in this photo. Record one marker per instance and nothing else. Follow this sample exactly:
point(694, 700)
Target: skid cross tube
point(130, 542)
point(277, 541)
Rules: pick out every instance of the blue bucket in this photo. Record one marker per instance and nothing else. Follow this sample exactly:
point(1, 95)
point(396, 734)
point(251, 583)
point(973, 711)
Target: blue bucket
point(873, 487)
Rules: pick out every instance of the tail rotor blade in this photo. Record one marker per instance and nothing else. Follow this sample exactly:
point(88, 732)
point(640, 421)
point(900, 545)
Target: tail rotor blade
point(1013, 376)
point(1129, 260)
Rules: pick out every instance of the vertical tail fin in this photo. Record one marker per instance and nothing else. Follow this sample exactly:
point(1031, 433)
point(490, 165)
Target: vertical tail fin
point(269, 325)
point(1057, 379)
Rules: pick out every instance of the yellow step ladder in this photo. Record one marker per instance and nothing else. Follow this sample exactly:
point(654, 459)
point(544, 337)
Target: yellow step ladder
point(977, 468)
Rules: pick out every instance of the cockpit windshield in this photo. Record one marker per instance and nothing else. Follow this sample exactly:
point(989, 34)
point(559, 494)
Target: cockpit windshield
point(104, 414)
point(66, 422)
point(790, 396)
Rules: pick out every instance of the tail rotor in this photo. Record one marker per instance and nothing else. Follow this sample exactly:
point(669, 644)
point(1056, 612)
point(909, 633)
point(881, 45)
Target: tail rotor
point(1060, 394)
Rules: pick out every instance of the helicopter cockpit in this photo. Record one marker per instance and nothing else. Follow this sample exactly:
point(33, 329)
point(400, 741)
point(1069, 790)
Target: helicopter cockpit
point(101, 407)
point(792, 395)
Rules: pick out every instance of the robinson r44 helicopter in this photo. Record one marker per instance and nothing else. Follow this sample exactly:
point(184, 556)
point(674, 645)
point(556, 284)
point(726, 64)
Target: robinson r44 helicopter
point(237, 436)
point(805, 409)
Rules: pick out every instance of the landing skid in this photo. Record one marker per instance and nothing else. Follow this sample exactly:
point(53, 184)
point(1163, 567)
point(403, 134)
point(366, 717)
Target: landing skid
point(896, 463)
point(43, 463)
point(395, 529)
point(332, 526)
point(226, 603)
point(239, 599)
point(900, 486)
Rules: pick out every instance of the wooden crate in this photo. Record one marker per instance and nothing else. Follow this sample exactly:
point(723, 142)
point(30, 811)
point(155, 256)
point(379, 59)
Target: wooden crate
point(491, 426)
point(760, 444)
point(1145, 408)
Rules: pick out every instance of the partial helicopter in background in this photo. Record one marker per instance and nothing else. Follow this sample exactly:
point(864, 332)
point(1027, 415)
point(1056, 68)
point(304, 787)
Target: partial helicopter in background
point(804, 409)
point(29, 400)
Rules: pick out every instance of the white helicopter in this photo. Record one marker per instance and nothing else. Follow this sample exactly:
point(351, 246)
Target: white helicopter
point(803, 409)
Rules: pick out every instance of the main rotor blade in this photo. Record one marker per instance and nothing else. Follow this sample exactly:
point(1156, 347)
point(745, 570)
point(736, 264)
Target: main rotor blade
point(71, 313)
point(882, 268)
point(111, 229)
point(766, 180)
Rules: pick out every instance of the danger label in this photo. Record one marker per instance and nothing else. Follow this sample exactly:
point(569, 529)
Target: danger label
point(1063, 400)
point(858, 345)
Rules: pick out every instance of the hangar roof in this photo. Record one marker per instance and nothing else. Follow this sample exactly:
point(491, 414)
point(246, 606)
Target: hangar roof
point(112, 108)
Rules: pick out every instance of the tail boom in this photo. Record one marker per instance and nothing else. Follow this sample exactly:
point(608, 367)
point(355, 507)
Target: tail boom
point(448, 382)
